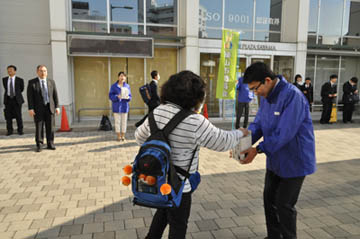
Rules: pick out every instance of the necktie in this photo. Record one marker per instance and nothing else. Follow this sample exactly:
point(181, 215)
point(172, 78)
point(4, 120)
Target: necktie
point(12, 92)
point(44, 92)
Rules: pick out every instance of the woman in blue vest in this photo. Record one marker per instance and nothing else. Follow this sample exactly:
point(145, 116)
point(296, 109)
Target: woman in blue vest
point(120, 96)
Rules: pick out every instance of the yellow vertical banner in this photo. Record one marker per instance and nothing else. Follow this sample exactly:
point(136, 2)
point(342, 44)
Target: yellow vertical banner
point(226, 82)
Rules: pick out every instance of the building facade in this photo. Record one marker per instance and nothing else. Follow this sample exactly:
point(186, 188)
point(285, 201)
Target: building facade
point(85, 43)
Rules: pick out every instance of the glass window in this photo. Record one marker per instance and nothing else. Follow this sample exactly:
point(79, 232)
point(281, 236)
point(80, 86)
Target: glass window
point(326, 66)
point(313, 16)
point(239, 16)
point(162, 31)
point(350, 67)
point(331, 12)
point(126, 29)
point(161, 12)
point(209, 67)
point(268, 15)
point(127, 11)
point(210, 15)
point(284, 65)
point(352, 18)
point(89, 10)
point(89, 27)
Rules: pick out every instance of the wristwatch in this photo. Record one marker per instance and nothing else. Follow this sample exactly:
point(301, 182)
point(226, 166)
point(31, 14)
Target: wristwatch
point(258, 150)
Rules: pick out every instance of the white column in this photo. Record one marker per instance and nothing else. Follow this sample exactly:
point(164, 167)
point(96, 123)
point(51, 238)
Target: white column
point(189, 28)
point(60, 62)
point(294, 28)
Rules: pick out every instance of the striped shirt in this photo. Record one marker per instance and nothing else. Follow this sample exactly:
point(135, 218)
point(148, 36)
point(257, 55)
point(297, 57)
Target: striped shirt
point(195, 130)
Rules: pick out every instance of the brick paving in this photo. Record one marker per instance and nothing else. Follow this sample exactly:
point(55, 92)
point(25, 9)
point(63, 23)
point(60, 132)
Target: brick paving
point(75, 191)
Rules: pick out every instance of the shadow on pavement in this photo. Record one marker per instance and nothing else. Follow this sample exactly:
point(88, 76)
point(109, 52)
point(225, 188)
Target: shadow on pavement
point(230, 205)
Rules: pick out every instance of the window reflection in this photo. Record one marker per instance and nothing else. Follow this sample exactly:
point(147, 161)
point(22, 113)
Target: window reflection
point(89, 10)
point(127, 11)
point(330, 21)
point(352, 18)
point(161, 11)
point(239, 16)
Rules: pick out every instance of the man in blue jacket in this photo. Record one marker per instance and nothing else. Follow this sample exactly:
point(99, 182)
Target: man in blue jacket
point(285, 124)
point(244, 96)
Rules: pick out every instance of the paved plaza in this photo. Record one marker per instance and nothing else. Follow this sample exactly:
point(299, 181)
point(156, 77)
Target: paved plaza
point(75, 191)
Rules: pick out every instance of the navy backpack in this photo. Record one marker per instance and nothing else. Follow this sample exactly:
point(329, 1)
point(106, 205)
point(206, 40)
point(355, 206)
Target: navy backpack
point(145, 93)
point(153, 159)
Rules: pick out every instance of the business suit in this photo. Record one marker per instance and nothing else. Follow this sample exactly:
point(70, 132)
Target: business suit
point(349, 104)
point(155, 99)
point(326, 90)
point(308, 92)
point(13, 103)
point(44, 114)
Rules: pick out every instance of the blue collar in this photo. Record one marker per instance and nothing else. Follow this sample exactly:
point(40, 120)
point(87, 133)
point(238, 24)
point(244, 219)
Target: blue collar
point(276, 90)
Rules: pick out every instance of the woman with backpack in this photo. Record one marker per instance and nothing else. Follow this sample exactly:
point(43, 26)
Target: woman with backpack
point(184, 90)
point(120, 96)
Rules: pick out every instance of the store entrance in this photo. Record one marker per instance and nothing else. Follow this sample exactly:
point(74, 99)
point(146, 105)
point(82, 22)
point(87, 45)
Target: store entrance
point(209, 65)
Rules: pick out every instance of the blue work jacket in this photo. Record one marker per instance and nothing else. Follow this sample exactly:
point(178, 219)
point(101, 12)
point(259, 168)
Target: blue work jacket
point(119, 105)
point(285, 122)
point(244, 94)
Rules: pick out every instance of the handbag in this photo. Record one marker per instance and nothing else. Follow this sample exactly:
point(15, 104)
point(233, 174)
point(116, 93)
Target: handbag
point(354, 98)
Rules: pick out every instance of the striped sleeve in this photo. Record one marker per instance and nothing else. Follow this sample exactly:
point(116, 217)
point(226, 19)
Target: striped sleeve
point(211, 137)
point(142, 132)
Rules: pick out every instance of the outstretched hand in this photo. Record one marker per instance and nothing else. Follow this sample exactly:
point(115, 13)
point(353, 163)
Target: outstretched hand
point(250, 155)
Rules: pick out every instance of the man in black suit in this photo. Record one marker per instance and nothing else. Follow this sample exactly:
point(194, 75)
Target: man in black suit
point(307, 89)
point(350, 90)
point(328, 95)
point(13, 100)
point(43, 104)
point(155, 99)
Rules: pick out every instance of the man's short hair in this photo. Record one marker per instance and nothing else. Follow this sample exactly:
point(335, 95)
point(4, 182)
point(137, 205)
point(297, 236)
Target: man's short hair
point(12, 66)
point(121, 72)
point(257, 72)
point(185, 89)
point(333, 76)
point(39, 66)
point(154, 74)
point(307, 78)
point(354, 79)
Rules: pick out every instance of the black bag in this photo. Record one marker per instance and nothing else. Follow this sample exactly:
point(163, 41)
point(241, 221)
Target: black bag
point(105, 123)
point(145, 93)
point(355, 98)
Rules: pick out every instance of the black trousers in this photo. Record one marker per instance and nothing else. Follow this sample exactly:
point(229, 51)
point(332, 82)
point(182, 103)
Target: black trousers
point(44, 118)
point(239, 111)
point(326, 113)
point(280, 197)
point(348, 111)
point(13, 110)
point(177, 218)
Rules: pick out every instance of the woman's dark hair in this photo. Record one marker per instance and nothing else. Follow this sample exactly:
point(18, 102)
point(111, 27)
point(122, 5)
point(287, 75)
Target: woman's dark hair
point(185, 89)
point(258, 71)
point(354, 79)
point(121, 72)
point(153, 74)
point(12, 66)
point(297, 76)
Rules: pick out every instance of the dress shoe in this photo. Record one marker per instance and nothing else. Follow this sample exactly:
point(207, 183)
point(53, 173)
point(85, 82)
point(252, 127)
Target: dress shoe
point(38, 148)
point(9, 133)
point(20, 132)
point(52, 147)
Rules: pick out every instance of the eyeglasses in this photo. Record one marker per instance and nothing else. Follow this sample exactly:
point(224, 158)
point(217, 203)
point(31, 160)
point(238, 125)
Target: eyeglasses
point(256, 88)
